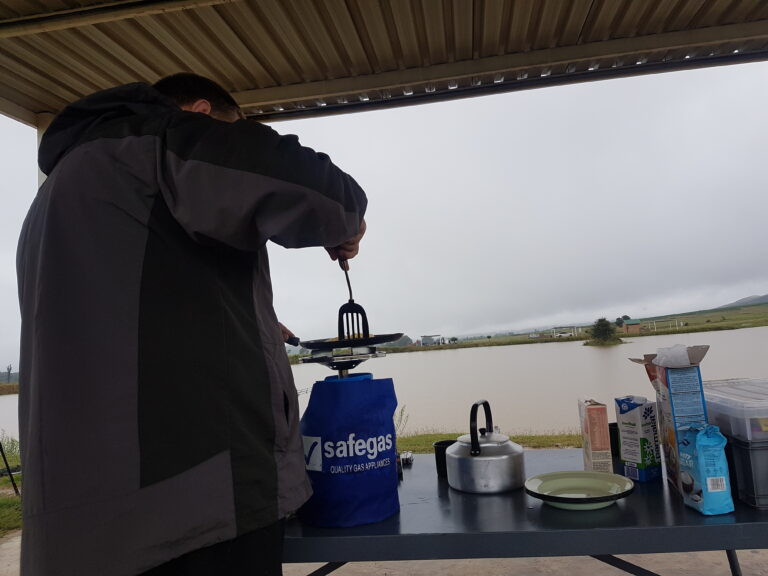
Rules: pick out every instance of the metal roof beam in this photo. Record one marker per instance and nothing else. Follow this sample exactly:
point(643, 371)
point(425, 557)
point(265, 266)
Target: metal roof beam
point(96, 14)
point(620, 48)
point(16, 112)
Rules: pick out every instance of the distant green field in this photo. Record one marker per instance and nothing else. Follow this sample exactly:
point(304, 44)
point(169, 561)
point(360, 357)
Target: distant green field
point(704, 320)
point(700, 321)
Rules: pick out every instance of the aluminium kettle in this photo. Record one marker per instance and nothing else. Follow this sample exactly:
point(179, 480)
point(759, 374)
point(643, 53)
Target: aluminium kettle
point(484, 461)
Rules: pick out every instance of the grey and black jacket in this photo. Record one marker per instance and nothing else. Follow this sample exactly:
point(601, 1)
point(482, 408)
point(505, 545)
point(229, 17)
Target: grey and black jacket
point(157, 407)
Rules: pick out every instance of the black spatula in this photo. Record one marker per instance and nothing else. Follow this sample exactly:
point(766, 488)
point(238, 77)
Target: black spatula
point(353, 323)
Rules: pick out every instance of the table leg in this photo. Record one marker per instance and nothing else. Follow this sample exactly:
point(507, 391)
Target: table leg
point(627, 566)
point(327, 569)
point(733, 561)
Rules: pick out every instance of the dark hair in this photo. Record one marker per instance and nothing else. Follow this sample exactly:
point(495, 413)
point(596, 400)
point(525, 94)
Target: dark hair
point(185, 88)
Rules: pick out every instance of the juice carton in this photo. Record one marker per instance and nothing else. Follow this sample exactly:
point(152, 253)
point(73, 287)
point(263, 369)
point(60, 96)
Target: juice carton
point(676, 377)
point(594, 430)
point(639, 438)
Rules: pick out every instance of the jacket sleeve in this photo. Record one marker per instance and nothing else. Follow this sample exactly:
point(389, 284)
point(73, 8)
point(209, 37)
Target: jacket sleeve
point(243, 184)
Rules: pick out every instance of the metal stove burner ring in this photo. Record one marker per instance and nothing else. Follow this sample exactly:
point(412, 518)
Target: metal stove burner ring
point(343, 360)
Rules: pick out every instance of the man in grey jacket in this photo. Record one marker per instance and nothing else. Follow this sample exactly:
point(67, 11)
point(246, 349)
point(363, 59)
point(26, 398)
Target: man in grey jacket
point(174, 447)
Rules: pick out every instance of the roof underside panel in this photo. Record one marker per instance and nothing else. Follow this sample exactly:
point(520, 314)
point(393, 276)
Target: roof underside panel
point(309, 57)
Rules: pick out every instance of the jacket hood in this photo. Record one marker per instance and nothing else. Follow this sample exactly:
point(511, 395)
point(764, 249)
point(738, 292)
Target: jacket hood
point(73, 123)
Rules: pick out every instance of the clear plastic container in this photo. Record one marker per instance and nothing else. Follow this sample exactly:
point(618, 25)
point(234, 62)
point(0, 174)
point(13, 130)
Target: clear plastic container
point(738, 407)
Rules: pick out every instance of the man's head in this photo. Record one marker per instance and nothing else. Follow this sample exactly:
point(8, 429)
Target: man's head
point(198, 94)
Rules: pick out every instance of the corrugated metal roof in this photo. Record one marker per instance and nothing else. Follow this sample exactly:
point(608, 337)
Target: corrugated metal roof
point(296, 57)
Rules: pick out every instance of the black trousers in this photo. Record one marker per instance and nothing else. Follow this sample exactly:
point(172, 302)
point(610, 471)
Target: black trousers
point(257, 553)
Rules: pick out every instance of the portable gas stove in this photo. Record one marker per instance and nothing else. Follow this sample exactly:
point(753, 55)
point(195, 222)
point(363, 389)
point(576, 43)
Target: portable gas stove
point(345, 354)
point(354, 343)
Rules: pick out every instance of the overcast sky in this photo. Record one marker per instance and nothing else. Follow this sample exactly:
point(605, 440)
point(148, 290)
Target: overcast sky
point(639, 196)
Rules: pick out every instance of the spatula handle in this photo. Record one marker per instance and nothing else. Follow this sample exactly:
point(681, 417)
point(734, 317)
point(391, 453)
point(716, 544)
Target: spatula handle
point(345, 267)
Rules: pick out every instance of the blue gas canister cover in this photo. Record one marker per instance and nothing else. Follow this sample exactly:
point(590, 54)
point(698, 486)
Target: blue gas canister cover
point(349, 451)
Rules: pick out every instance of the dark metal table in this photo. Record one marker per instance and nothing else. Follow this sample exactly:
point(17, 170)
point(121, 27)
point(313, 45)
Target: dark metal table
point(437, 522)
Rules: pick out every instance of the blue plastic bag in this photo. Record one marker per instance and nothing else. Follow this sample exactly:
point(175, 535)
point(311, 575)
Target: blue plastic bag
point(704, 470)
point(349, 450)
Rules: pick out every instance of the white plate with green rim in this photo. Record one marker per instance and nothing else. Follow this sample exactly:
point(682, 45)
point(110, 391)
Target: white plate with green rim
point(579, 490)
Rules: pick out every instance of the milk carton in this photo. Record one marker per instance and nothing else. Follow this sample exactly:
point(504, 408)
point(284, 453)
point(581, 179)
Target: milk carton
point(639, 437)
point(594, 430)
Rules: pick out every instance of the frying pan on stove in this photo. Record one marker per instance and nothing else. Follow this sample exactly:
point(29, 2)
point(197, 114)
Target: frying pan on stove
point(331, 343)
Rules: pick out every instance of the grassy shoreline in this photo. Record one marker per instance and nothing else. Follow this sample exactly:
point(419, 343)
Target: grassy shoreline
point(10, 504)
point(12, 388)
point(422, 443)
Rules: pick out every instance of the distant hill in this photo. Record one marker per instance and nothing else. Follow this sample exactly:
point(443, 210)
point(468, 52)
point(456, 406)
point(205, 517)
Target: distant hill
point(748, 301)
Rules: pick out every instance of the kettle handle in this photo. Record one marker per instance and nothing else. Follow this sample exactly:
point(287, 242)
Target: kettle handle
point(475, 449)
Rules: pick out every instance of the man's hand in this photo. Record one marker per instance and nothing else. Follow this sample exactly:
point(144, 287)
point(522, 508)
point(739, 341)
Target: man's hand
point(288, 336)
point(348, 249)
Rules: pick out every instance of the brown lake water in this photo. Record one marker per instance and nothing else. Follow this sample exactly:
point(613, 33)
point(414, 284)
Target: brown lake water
point(531, 387)
point(534, 388)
